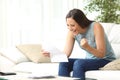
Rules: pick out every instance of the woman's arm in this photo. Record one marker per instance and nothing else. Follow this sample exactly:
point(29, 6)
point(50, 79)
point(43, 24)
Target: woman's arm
point(69, 44)
point(100, 49)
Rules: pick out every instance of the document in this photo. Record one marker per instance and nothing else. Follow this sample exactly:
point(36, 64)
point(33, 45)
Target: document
point(37, 75)
point(55, 54)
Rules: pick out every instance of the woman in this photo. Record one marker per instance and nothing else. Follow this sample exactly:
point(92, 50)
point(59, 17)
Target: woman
point(93, 42)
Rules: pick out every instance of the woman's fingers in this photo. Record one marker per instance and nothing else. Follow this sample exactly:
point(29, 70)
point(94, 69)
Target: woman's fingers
point(46, 53)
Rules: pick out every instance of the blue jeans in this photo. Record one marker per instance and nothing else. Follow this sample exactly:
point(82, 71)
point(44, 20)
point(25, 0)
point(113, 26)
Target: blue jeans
point(80, 66)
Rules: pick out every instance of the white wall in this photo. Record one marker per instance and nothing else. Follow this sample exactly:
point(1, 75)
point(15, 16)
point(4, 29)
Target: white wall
point(33, 21)
point(3, 27)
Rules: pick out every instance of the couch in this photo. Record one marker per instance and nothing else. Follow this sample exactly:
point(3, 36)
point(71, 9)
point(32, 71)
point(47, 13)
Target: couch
point(12, 58)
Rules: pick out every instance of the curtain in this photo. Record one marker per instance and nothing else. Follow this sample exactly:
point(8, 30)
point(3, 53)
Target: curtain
point(34, 21)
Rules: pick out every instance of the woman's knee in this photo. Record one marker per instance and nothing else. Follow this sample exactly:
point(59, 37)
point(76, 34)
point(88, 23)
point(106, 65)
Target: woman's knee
point(63, 64)
point(78, 64)
point(64, 69)
point(79, 68)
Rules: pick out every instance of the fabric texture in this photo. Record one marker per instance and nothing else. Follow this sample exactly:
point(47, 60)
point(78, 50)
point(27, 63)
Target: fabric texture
point(33, 52)
point(37, 68)
point(13, 54)
point(114, 65)
point(6, 64)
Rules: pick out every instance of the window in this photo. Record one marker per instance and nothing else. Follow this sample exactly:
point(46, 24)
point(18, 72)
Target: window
point(33, 21)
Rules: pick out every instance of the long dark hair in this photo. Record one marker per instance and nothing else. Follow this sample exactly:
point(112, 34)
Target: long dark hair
point(79, 17)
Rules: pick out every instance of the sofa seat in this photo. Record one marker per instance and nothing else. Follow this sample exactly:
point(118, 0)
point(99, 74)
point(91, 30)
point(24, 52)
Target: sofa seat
point(36, 68)
point(103, 75)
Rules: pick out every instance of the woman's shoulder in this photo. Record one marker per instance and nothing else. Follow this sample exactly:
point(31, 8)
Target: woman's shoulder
point(97, 25)
point(98, 28)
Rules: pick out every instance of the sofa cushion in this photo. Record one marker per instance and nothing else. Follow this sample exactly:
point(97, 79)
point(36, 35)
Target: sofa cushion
point(13, 54)
point(39, 68)
point(33, 52)
point(113, 31)
point(114, 36)
point(114, 39)
point(114, 65)
point(107, 27)
point(116, 48)
point(103, 75)
point(4, 63)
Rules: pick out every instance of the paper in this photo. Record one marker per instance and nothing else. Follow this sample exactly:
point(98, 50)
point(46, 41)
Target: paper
point(55, 54)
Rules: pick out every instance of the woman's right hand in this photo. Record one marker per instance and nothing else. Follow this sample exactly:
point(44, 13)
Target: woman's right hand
point(46, 53)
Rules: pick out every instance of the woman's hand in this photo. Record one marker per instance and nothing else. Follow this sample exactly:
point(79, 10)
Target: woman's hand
point(84, 43)
point(46, 53)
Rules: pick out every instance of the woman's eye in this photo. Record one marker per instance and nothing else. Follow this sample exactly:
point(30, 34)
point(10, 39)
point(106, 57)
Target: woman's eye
point(72, 25)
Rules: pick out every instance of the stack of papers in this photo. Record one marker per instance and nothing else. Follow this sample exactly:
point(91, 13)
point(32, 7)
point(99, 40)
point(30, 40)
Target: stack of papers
point(55, 54)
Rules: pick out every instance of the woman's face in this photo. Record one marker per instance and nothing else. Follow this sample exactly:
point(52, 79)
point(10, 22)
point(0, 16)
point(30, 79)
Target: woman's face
point(73, 26)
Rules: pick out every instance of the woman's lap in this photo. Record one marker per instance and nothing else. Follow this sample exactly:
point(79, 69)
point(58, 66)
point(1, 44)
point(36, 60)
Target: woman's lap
point(80, 66)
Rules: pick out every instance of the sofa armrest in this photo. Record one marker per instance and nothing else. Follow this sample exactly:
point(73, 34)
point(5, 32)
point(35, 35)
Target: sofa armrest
point(5, 64)
point(13, 54)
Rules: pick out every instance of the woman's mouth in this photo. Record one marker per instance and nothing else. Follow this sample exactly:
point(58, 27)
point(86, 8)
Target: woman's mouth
point(74, 32)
